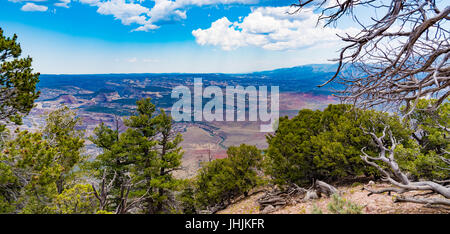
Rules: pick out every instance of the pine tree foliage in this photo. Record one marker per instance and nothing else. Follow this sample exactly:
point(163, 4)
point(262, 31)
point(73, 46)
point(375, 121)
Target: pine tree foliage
point(17, 81)
point(62, 131)
point(140, 161)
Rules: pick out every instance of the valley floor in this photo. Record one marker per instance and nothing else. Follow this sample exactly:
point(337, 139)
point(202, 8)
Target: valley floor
point(374, 204)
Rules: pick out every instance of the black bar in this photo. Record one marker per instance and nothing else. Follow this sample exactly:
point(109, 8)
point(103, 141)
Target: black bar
point(291, 224)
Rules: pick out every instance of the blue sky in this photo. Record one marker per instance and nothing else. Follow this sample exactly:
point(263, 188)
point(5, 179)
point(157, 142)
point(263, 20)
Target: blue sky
point(125, 36)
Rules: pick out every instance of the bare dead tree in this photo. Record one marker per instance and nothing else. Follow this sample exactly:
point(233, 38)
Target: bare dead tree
point(103, 194)
point(104, 189)
point(126, 204)
point(399, 179)
point(397, 57)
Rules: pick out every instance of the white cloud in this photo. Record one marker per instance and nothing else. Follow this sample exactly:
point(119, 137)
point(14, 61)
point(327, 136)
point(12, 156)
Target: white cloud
point(270, 28)
point(170, 10)
point(90, 2)
point(63, 3)
point(132, 11)
point(166, 10)
point(33, 7)
point(128, 13)
point(163, 10)
point(146, 27)
point(222, 33)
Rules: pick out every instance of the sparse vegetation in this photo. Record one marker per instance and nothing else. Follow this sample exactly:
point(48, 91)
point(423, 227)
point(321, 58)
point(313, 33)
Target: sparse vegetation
point(340, 205)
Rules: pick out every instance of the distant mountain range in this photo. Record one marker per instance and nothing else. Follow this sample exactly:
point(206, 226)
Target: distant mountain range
point(300, 78)
point(299, 72)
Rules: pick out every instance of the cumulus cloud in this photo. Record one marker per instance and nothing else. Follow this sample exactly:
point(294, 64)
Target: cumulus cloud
point(163, 10)
point(167, 10)
point(127, 13)
point(33, 7)
point(147, 16)
point(222, 33)
point(170, 10)
point(270, 28)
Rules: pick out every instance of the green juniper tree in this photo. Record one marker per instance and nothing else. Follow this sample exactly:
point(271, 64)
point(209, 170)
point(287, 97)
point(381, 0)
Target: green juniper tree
point(214, 183)
point(246, 161)
point(221, 180)
point(325, 145)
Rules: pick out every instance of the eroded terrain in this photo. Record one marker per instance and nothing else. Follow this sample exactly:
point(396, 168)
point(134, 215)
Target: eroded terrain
point(111, 98)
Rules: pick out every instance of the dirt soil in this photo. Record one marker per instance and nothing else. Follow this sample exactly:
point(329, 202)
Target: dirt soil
point(374, 204)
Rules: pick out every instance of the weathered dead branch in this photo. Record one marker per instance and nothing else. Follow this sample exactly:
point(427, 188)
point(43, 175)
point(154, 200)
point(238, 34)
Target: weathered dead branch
point(396, 58)
point(278, 198)
point(396, 177)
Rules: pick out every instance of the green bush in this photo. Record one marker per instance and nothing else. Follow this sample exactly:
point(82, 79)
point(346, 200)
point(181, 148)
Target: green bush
point(324, 145)
point(223, 179)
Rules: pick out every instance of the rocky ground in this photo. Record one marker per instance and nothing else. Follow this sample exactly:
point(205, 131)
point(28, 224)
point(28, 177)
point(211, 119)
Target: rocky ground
point(374, 204)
